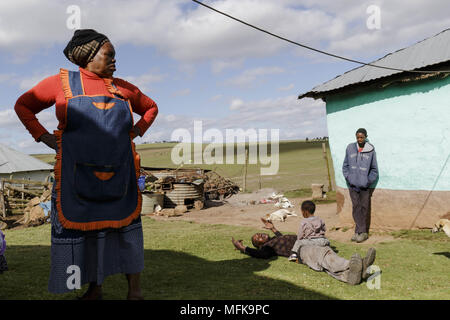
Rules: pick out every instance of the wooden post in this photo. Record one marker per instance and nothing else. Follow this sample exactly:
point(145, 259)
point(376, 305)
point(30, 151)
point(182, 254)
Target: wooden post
point(2, 199)
point(330, 186)
point(259, 173)
point(245, 170)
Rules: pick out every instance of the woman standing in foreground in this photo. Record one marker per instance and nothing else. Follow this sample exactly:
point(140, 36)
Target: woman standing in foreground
point(96, 203)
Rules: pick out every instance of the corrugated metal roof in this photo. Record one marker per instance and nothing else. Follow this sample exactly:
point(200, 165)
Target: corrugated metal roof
point(15, 161)
point(425, 53)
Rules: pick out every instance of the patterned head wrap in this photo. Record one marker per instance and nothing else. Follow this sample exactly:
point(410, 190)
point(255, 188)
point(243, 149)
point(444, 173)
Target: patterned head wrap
point(84, 45)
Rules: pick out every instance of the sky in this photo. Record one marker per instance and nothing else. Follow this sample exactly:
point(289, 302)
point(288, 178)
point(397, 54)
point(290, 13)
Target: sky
point(198, 65)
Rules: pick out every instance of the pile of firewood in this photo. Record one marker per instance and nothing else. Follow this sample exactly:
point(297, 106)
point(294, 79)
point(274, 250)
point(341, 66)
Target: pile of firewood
point(34, 214)
point(22, 197)
point(217, 187)
point(15, 194)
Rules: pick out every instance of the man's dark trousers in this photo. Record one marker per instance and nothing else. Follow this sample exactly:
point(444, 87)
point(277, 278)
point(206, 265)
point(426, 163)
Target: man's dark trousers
point(361, 209)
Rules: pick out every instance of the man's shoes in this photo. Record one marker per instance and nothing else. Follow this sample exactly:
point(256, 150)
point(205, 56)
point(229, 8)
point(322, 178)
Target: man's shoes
point(354, 237)
point(293, 257)
point(355, 270)
point(361, 237)
point(367, 262)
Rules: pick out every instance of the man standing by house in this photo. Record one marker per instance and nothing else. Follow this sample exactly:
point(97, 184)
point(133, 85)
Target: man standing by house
point(360, 170)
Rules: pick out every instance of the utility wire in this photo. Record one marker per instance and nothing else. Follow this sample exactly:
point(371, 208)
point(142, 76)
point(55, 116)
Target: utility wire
point(343, 58)
point(313, 49)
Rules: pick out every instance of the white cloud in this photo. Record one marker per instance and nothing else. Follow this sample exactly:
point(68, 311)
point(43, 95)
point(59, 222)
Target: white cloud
point(186, 35)
point(8, 78)
point(26, 83)
point(171, 117)
point(296, 119)
point(218, 66)
point(9, 119)
point(236, 104)
point(182, 92)
point(216, 97)
point(23, 82)
point(253, 76)
point(144, 80)
point(286, 88)
point(199, 34)
point(48, 119)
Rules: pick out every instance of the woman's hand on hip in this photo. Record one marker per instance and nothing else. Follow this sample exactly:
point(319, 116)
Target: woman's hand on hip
point(136, 131)
point(49, 140)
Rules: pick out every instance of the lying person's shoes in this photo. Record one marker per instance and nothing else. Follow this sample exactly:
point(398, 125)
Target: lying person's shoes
point(368, 261)
point(355, 270)
point(362, 237)
point(293, 257)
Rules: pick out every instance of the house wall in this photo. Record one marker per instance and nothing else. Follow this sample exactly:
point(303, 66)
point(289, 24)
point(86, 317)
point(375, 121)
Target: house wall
point(409, 125)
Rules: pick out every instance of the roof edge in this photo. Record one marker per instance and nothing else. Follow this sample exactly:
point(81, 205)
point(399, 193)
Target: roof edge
point(384, 81)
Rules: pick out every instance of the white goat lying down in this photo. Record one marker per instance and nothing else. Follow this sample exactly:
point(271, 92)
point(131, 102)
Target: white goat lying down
point(280, 215)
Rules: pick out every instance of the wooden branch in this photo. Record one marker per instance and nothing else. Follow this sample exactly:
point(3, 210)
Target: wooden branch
point(3, 207)
point(10, 199)
point(23, 181)
point(34, 193)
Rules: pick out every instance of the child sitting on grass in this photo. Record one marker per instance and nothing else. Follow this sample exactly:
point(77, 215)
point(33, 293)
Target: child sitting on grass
point(3, 265)
point(311, 232)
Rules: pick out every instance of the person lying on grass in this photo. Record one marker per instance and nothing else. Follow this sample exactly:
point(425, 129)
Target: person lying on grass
point(316, 257)
point(311, 232)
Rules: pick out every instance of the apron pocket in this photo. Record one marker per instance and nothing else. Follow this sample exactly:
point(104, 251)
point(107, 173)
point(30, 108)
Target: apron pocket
point(100, 183)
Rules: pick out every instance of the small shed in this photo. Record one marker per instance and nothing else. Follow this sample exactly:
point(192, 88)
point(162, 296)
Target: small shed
point(407, 117)
point(17, 165)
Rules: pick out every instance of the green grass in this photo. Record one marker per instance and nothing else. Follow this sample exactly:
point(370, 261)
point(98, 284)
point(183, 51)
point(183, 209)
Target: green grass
point(48, 158)
point(299, 193)
point(420, 235)
point(185, 260)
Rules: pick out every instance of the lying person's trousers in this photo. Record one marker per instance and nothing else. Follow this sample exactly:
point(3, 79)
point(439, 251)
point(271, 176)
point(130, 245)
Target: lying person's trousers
point(313, 242)
point(325, 259)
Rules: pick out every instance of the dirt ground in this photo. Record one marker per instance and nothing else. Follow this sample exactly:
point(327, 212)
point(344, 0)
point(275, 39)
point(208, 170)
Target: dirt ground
point(244, 209)
point(240, 210)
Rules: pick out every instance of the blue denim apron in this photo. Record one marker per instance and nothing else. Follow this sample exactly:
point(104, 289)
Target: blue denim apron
point(95, 172)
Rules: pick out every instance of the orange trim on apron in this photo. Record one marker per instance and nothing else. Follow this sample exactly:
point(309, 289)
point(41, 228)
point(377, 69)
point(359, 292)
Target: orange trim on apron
point(103, 105)
point(104, 175)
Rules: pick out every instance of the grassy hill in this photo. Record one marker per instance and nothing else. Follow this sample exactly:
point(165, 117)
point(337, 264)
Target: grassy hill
point(300, 164)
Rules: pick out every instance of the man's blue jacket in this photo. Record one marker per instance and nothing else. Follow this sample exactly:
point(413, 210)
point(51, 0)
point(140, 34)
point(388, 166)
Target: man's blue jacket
point(360, 169)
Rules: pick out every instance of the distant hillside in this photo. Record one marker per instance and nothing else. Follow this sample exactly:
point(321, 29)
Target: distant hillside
point(300, 164)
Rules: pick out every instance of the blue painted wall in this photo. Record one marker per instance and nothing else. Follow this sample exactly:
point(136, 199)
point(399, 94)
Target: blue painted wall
point(409, 125)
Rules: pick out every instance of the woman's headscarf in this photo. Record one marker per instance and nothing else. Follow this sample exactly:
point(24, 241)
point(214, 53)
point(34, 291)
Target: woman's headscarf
point(84, 45)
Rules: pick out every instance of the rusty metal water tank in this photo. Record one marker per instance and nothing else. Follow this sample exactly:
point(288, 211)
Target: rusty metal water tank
point(183, 194)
